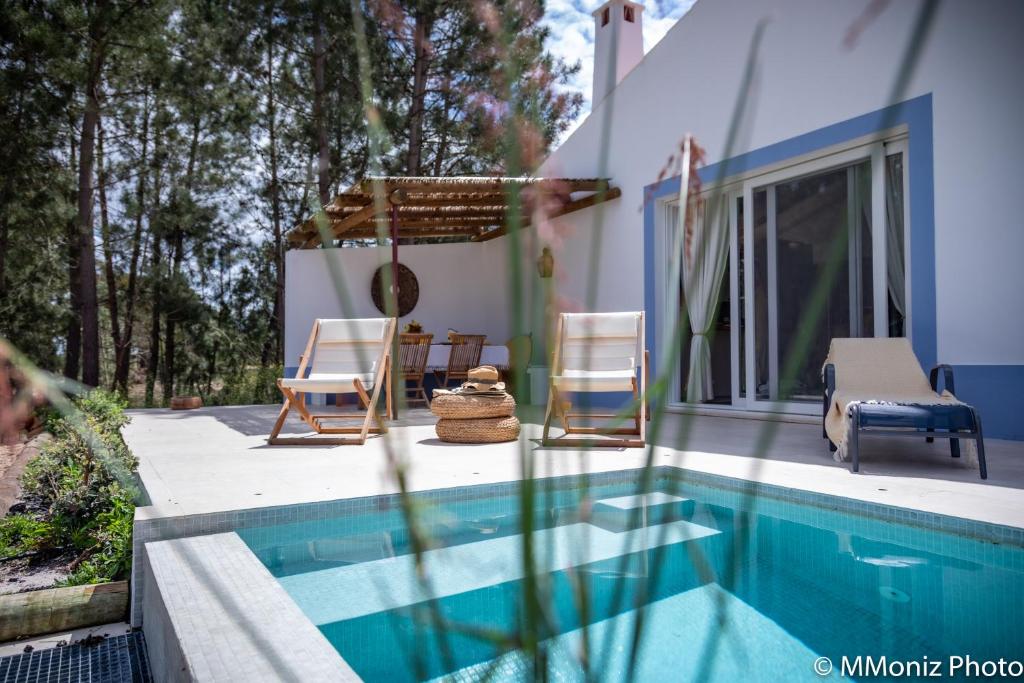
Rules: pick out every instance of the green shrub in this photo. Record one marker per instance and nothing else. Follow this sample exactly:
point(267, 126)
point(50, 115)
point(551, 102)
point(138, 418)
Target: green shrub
point(23, 533)
point(79, 492)
point(111, 556)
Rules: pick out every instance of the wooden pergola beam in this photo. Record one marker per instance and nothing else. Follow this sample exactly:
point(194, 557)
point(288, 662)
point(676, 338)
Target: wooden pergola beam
point(433, 208)
point(338, 228)
point(346, 201)
point(422, 201)
point(498, 215)
point(576, 205)
point(453, 222)
point(441, 214)
point(487, 184)
point(412, 205)
point(362, 233)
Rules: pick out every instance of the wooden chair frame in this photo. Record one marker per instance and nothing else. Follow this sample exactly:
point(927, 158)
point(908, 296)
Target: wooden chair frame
point(619, 435)
point(297, 400)
point(416, 369)
point(463, 357)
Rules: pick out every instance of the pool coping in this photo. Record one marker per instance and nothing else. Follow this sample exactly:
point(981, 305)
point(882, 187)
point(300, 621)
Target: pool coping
point(215, 613)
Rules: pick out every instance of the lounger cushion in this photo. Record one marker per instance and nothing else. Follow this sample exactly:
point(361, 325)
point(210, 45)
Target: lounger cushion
point(329, 384)
point(581, 380)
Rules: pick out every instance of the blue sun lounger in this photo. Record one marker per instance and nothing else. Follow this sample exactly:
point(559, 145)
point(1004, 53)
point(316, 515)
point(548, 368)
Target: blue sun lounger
point(876, 385)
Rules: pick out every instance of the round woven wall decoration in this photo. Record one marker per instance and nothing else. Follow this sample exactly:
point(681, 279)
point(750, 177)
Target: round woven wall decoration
point(408, 290)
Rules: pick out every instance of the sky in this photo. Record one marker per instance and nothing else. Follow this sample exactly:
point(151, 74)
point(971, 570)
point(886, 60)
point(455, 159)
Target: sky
point(572, 36)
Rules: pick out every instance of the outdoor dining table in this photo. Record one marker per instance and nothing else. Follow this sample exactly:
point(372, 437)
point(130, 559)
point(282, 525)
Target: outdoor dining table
point(491, 354)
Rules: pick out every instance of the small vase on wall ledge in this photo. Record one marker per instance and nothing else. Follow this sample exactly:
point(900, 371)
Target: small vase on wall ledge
point(546, 263)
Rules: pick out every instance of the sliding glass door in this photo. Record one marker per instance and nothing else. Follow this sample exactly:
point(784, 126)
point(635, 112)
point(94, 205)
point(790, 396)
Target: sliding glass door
point(816, 251)
point(812, 260)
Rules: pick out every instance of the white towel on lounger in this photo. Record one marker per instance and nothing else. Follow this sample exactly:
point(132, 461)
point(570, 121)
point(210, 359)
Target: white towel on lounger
point(879, 370)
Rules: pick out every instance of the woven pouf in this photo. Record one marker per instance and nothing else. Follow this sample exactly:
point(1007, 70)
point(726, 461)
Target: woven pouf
point(466, 406)
point(478, 430)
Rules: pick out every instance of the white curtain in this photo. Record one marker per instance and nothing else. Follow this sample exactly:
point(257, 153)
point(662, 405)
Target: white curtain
point(704, 263)
point(896, 274)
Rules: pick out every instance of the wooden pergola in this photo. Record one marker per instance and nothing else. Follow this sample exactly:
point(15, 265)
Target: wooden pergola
point(475, 208)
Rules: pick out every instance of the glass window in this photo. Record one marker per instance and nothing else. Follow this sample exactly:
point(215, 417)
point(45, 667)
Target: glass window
point(812, 263)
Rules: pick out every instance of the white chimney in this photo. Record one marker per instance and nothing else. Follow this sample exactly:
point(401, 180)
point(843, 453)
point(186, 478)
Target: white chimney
point(618, 44)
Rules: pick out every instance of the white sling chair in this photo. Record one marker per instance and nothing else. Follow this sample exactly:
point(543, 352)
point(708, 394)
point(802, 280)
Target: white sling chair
point(348, 356)
point(598, 352)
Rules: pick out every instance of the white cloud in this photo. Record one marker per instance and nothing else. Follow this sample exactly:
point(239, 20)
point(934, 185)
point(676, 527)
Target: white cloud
point(572, 36)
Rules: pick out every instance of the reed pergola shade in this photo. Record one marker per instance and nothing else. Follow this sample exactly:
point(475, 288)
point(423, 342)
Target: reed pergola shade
point(472, 207)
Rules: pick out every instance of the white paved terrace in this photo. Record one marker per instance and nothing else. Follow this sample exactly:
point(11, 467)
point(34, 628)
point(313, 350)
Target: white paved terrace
point(217, 460)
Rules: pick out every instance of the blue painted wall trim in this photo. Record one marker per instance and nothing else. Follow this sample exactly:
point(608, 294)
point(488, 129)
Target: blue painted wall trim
point(995, 391)
point(916, 114)
point(986, 386)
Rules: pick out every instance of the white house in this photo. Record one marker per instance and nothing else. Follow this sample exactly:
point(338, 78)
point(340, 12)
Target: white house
point(809, 128)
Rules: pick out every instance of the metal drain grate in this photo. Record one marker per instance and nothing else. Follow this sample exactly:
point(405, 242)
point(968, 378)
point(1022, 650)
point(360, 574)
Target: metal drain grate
point(118, 659)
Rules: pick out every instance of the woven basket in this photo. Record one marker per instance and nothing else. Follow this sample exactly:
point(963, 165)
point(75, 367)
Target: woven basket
point(480, 430)
point(464, 407)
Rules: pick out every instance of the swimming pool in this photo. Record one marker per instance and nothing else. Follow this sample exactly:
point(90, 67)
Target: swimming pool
point(728, 586)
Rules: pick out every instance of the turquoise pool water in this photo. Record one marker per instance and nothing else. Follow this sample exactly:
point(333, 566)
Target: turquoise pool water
point(729, 587)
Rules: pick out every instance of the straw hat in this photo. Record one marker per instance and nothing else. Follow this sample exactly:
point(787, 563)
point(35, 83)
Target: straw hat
point(483, 379)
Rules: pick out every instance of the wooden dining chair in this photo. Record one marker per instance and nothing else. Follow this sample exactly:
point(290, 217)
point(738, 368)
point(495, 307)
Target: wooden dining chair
point(414, 351)
point(465, 355)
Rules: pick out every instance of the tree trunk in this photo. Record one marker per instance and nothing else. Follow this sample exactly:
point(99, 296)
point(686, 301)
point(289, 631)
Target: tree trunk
point(8, 192)
point(421, 60)
point(86, 242)
point(156, 256)
point(277, 310)
point(170, 370)
point(73, 342)
point(177, 244)
point(442, 143)
point(122, 364)
point(5, 234)
point(4, 238)
point(323, 151)
point(108, 247)
point(153, 363)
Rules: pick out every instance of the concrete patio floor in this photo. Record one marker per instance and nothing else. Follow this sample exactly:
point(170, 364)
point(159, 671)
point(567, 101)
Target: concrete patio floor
point(217, 460)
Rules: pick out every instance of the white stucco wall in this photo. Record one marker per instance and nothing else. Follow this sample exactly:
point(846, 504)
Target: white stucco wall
point(461, 286)
point(806, 80)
